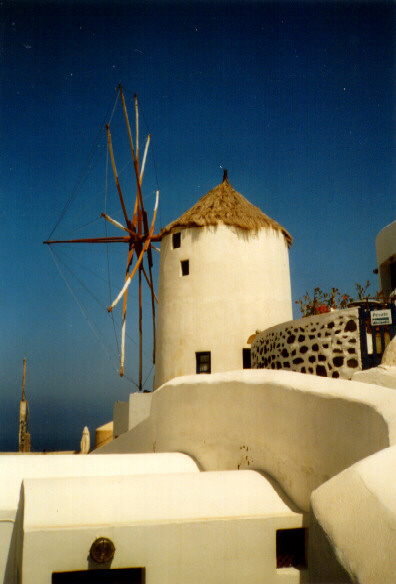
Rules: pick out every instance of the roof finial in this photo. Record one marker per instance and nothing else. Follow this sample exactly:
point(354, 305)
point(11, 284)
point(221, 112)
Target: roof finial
point(225, 175)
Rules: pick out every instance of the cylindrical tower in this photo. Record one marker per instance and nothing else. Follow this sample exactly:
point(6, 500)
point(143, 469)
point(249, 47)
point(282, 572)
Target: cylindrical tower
point(224, 273)
point(385, 243)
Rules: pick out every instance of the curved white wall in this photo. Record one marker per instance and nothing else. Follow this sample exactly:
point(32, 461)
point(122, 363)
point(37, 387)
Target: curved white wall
point(239, 282)
point(357, 512)
point(300, 429)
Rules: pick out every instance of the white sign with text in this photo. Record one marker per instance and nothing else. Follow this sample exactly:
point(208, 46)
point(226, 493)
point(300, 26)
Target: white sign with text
point(379, 317)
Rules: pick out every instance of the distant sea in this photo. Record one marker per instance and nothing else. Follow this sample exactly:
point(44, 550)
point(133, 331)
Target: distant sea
point(51, 426)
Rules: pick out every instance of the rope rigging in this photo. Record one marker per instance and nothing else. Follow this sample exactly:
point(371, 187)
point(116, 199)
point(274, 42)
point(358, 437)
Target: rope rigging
point(99, 335)
point(84, 170)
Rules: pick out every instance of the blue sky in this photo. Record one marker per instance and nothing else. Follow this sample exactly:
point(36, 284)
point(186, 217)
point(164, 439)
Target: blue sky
point(295, 99)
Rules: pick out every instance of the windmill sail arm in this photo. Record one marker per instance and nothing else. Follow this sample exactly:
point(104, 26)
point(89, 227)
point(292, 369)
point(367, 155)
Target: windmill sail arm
point(150, 285)
point(91, 240)
point(124, 311)
point(117, 224)
point(135, 155)
point(154, 299)
point(127, 123)
point(125, 239)
point(115, 174)
point(144, 158)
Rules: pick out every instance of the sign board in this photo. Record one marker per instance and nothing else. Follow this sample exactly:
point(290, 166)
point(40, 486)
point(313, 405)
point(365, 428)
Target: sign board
point(381, 317)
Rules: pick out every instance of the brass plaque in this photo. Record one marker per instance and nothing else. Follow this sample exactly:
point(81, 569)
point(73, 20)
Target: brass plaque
point(102, 550)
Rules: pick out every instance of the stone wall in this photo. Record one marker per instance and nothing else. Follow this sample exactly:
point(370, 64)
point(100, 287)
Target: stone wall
point(327, 345)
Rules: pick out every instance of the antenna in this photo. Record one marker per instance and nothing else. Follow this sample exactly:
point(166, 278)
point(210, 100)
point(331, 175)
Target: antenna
point(24, 436)
point(24, 379)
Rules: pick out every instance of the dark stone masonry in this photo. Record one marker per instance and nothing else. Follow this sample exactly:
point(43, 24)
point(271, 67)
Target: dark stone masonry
point(327, 345)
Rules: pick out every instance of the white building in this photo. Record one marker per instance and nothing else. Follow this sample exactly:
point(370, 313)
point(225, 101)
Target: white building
point(224, 272)
point(260, 476)
point(386, 258)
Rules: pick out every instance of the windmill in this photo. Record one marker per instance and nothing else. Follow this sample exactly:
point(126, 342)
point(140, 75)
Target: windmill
point(139, 234)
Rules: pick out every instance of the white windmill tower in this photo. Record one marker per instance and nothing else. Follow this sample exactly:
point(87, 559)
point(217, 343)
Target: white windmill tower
point(224, 273)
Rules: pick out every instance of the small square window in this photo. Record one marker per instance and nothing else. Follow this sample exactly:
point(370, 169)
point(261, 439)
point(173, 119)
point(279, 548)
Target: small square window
point(246, 360)
point(176, 239)
point(185, 267)
point(290, 548)
point(203, 362)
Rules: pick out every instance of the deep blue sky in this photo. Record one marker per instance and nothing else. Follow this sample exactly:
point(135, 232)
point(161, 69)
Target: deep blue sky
point(296, 100)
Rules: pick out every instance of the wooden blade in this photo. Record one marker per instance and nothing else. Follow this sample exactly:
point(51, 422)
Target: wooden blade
point(135, 158)
point(146, 231)
point(127, 123)
point(91, 240)
point(153, 299)
point(140, 331)
point(117, 224)
point(144, 158)
point(150, 284)
point(116, 175)
point(153, 311)
point(127, 239)
point(137, 129)
point(122, 359)
point(124, 311)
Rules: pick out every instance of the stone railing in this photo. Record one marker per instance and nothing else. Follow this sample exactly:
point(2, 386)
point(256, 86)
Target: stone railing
point(327, 345)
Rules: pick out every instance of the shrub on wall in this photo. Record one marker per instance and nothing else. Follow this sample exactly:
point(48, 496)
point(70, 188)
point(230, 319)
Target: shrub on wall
point(322, 302)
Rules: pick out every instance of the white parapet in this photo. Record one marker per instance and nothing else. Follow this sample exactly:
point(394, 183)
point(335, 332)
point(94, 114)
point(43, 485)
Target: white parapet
point(300, 429)
point(356, 510)
point(216, 527)
point(14, 469)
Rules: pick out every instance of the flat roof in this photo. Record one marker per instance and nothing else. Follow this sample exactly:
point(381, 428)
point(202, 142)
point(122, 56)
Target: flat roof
point(15, 468)
point(142, 499)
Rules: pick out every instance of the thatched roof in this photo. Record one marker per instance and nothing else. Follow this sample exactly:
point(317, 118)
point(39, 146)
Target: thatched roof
point(224, 205)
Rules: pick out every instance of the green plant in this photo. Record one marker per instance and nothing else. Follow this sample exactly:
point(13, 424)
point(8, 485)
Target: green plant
point(362, 290)
point(322, 302)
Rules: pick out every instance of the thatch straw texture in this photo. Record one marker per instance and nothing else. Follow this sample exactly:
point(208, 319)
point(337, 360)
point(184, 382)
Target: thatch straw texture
point(224, 205)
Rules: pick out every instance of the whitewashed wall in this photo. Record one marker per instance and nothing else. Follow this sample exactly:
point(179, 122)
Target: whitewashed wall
point(239, 282)
point(195, 528)
point(385, 244)
point(300, 429)
point(16, 468)
point(356, 512)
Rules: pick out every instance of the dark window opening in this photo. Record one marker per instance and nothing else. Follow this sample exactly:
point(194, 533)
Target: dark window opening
point(185, 267)
point(246, 359)
point(102, 576)
point(291, 548)
point(203, 362)
point(392, 269)
point(176, 239)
